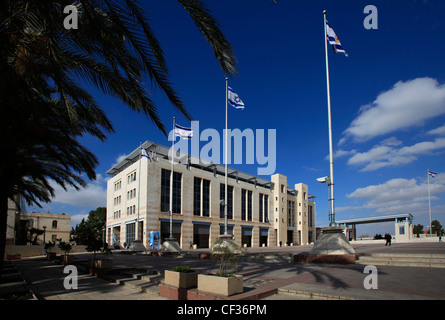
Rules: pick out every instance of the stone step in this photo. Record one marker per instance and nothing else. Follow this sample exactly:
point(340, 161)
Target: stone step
point(406, 260)
point(143, 286)
point(139, 280)
point(407, 255)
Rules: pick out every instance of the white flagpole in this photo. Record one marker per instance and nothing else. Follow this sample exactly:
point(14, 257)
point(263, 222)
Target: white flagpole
point(139, 191)
point(331, 156)
point(226, 161)
point(171, 179)
point(429, 200)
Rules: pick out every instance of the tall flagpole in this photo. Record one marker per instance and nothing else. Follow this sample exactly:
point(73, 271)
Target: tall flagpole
point(226, 161)
point(171, 179)
point(139, 191)
point(429, 200)
point(331, 156)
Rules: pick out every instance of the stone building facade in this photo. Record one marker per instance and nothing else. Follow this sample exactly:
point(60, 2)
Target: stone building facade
point(260, 212)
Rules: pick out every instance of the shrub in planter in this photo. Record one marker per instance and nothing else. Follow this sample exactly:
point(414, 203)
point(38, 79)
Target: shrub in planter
point(224, 282)
point(181, 277)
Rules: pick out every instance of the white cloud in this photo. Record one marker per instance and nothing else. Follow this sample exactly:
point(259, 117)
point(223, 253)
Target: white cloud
point(408, 104)
point(94, 195)
point(386, 154)
point(438, 131)
point(399, 195)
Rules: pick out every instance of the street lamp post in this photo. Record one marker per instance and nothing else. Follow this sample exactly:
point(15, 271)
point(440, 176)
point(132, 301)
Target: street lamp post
point(328, 181)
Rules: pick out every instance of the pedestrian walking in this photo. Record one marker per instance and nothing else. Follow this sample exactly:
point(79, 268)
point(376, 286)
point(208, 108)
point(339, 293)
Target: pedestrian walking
point(388, 239)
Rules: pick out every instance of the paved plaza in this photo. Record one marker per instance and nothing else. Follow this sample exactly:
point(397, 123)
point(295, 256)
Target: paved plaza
point(281, 280)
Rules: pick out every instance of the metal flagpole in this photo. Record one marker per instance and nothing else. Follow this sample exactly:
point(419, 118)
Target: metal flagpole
point(226, 161)
point(139, 191)
point(429, 200)
point(331, 156)
point(171, 179)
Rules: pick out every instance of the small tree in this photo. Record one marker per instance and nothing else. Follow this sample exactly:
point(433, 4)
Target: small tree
point(65, 247)
point(225, 252)
point(94, 245)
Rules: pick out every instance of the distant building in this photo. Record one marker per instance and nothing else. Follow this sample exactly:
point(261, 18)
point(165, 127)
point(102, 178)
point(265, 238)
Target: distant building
point(12, 220)
point(260, 212)
point(55, 225)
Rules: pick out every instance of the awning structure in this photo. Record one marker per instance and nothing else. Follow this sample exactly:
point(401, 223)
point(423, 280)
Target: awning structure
point(155, 151)
point(384, 218)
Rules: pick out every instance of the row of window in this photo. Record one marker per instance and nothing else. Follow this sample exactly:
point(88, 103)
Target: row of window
point(201, 198)
point(117, 200)
point(117, 214)
point(131, 194)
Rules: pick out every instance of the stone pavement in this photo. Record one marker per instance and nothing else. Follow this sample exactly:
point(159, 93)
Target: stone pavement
point(262, 280)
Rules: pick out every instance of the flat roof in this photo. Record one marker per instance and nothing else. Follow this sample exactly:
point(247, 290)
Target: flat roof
point(157, 150)
point(384, 218)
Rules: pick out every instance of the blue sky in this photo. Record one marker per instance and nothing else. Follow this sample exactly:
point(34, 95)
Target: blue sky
point(388, 100)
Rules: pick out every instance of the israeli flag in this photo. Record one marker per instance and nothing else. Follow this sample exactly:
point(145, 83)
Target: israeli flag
point(234, 100)
point(432, 174)
point(334, 41)
point(145, 154)
point(183, 132)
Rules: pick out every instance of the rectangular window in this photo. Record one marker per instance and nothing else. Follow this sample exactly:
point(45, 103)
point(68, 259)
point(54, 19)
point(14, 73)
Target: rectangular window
point(165, 191)
point(266, 208)
point(206, 198)
point(197, 197)
point(260, 207)
point(229, 201)
point(249, 205)
point(243, 204)
point(130, 233)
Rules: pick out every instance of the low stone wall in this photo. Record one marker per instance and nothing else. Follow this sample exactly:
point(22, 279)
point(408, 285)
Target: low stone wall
point(33, 251)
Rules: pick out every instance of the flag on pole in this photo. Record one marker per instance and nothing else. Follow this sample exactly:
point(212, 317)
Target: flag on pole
point(334, 40)
point(183, 132)
point(234, 100)
point(432, 174)
point(145, 154)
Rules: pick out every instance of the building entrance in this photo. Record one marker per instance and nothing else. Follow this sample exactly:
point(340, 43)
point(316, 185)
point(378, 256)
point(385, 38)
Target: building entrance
point(201, 235)
point(165, 231)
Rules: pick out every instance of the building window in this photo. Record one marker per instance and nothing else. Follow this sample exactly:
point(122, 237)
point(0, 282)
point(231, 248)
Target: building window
point(206, 198)
point(249, 205)
point(311, 217)
point(243, 204)
point(54, 224)
point(197, 196)
point(222, 193)
point(165, 191)
point(291, 214)
point(246, 205)
point(266, 208)
point(131, 177)
point(260, 207)
point(402, 230)
point(130, 233)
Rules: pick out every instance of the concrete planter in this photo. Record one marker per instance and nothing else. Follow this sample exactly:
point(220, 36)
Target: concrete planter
point(225, 286)
point(183, 280)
